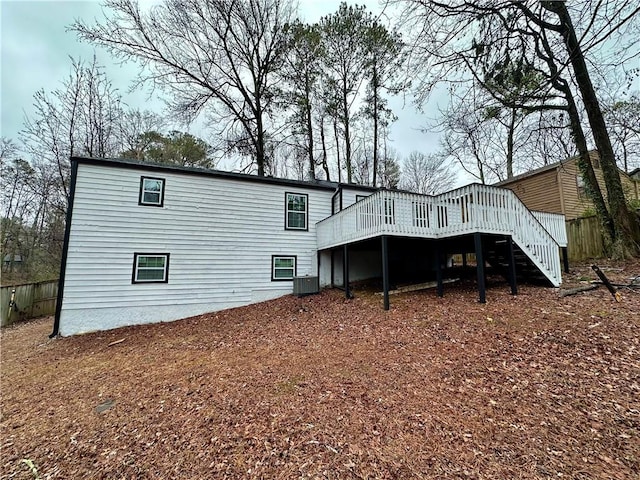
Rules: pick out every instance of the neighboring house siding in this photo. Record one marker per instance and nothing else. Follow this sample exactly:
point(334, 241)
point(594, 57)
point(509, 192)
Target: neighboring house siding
point(540, 192)
point(220, 234)
point(557, 190)
point(575, 203)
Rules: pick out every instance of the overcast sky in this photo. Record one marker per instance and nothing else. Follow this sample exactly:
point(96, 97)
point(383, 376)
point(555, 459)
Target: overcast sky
point(35, 55)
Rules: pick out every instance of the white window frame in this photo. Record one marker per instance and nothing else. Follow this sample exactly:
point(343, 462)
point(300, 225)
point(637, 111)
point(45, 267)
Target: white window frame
point(287, 211)
point(143, 190)
point(581, 187)
point(274, 278)
point(136, 268)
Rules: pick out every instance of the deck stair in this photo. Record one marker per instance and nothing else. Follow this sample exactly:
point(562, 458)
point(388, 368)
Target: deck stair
point(496, 253)
point(472, 209)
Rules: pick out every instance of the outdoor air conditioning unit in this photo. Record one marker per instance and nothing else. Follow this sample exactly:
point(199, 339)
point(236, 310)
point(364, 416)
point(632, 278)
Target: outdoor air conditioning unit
point(305, 286)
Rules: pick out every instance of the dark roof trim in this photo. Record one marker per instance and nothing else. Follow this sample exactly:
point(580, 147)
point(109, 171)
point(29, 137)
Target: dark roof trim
point(593, 154)
point(243, 177)
point(531, 173)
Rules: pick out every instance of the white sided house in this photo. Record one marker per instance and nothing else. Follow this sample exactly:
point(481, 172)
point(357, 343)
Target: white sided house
point(148, 243)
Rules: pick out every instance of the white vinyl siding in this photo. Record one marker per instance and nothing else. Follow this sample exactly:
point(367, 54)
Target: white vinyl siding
point(221, 234)
point(352, 194)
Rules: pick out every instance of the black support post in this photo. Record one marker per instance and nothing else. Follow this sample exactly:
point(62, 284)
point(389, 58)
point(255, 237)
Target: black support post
point(333, 259)
point(565, 259)
point(385, 271)
point(345, 271)
point(464, 260)
point(512, 266)
point(438, 252)
point(482, 297)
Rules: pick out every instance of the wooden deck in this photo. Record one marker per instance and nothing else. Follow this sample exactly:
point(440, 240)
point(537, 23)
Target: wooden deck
point(468, 210)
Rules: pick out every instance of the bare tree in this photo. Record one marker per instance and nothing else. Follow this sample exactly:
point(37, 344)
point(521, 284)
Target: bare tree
point(80, 118)
point(548, 139)
point(29, 231)
point(477, 39)
point(427, 174)
point(133, 125)
point(472, 138)
point(627, 226)
point(623, 119)
point(218, 54)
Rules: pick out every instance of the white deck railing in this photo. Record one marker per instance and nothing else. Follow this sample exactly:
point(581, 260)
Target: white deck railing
point(470, 209)
point(555, 225)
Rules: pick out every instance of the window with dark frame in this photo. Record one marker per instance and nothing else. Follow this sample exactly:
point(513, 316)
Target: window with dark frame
point(296, 211)
point(283, 267)
point(150, 268)
point(151, 191)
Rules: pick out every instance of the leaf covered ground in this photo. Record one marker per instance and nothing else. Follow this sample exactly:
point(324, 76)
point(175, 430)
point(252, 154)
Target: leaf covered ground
point(526, 386)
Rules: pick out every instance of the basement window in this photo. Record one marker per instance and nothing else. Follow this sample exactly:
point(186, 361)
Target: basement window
point(151, 191)
point(150, 268)
point(296, 210)
point(283, 267)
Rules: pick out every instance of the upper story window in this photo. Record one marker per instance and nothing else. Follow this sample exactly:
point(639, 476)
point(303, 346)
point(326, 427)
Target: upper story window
point(151, 191)
point(150, 268)
point(296, 211)
point(580, 185)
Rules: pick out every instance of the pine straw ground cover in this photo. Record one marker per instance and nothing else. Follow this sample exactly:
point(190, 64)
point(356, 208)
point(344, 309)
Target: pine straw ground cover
point(531, 386)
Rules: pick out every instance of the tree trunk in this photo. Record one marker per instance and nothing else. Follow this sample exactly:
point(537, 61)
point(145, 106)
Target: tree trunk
point(626, 226)
point(510, 135)
point(347, 136)
point(260, 154)
point(375, 88)
point(309, 119)
point(586, 168)
point(325, 166)
point(260, 136)
point(335, 134)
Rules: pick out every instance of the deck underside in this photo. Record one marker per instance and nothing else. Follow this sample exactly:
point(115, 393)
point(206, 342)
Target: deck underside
point(411, 260)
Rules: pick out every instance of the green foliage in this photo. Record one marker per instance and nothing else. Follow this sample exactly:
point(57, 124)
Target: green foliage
point(588, 212)
point(345, 60)
point(176, 148)
point(303, 70)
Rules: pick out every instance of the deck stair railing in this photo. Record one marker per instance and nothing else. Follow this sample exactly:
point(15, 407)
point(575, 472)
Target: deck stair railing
point(470, 209)
point(554, 224)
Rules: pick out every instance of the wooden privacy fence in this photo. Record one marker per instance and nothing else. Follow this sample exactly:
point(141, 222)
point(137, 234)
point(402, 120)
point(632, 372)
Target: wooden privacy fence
point(31, 300)
point(585, 238)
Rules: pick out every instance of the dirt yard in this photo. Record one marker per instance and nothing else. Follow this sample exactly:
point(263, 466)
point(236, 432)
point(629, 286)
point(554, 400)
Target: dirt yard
point(531, 386)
